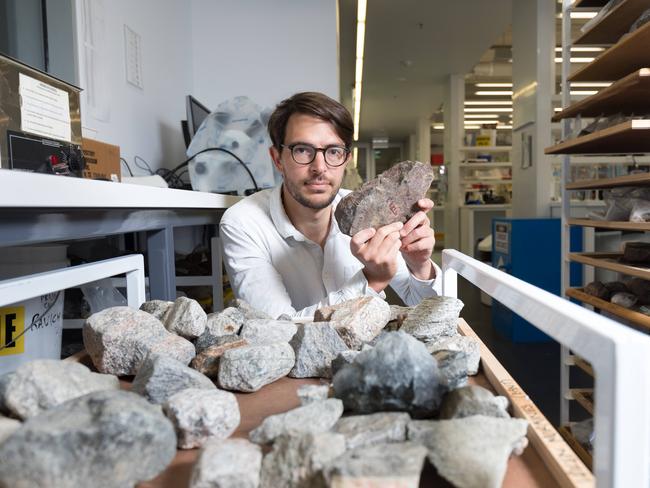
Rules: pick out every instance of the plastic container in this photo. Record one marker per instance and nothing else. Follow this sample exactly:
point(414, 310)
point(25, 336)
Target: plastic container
point(43, 340)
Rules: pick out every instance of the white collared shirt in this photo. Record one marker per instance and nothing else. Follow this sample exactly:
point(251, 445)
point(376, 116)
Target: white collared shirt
point(275, 268)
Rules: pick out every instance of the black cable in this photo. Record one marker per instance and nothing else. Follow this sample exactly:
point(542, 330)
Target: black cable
point(127, 166)
point(185, 163)
point(147, 168)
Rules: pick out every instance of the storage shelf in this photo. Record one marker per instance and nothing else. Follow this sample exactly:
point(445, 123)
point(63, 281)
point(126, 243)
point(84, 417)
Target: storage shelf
point(609, 260)
point(583, 365)
point(486, 165)
point(583, 454)
point(637, 318)
point(628, 95)
point(632, 136)
point(486, 181)
point(599, 160)
point(585, 397)
point(629, 54)
point(637, 179)
point(489, 148)
point(614, 24)
point(608, 224)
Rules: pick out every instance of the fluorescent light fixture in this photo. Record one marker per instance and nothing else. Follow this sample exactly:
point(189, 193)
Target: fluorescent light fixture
point(472, 127)
point(494, 121)
point(488, 102)
point(489, 110)
point(439, 126)
point(480, 116)
point(494, 85)
point(557, 109)
point(358, 74)
point(494, 92)
point(504, 127)
point(589, 84)
point(582, 49)
point(576, 60)
point(583, 15)
point(355, 155)
point(583, 92)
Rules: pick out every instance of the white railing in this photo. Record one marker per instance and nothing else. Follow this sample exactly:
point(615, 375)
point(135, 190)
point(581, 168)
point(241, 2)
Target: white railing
point(619, 355)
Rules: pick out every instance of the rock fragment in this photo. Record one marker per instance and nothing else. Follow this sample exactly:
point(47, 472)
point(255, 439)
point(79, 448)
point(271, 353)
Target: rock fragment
point(161, 377)
point(345, 357)
point(433, 318)
point(378, 466)
point(88, 438)
point(186, 318)
point(312, 393)
point(298, 461)
point(398, 374)
point(225, 323)
point(468, 345)
point(264, 331)
point(453, 368)
point(473, 400)
point(249, 368)
point(175, 347)
point(358, 320)
point(199, 415)
point(311, 418)
point(471, 452)
point(390, 197)
point(7, 427)
point(315, 346)
point(157, 308)
point(118, 339)
point(248, 310)
point(376, 428)
point(233, 463)
point(207, 361)
point(42, 384)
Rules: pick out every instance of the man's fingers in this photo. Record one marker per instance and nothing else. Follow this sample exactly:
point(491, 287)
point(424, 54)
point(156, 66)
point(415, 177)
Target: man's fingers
point(417, 234)
point(361, 238)
point(425, 204)
point(419, 219)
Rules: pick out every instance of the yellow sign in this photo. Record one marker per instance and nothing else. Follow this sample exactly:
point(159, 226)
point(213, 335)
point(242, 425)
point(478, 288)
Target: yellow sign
point(483, 140)
point(12, 324)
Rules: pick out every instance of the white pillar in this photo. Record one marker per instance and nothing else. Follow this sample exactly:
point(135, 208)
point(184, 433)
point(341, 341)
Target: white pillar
point(412, 147)
point(423, 143)
point(453, 117)
point(533, 77)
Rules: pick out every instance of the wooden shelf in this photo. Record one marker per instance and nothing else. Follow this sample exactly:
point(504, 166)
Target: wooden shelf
point(609, 260)
point(637, 179)
point(614, 24)
point(489, 148)
point(629, 54)
point(583, 365)
point(608, 224)
point(632, 136)
point(637, 318)
point(583, 454)
point(585, 397)
point(630, 95)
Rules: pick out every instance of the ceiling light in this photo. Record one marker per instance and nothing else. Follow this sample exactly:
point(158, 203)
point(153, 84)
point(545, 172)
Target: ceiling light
point(472, 127)
point(580, 49)
point(439, 126)
point(576, 60)
point(583, 92)
point(358, 75)
point(583, 15)
point(489, 110)
point(494, 85)
point(482, 121)
point(494, 92)
point(557, 109)
point(480, 116)
point(589, 84)
point(504, 127)
point(488, 102)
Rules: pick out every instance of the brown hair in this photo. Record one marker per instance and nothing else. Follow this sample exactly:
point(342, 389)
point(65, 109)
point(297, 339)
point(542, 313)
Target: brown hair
point(314, 104)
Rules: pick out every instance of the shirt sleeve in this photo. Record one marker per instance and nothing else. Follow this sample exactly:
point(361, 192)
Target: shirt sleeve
point(413, 290)
point(254, 279)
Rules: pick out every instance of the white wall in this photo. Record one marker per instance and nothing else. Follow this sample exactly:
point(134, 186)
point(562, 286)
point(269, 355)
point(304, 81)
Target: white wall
point(267, 50)
point(143, 122)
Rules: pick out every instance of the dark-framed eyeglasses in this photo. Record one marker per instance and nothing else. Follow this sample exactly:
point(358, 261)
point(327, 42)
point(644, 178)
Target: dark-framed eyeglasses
point(306, 153)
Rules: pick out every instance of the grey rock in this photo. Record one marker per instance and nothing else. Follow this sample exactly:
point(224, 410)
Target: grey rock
point(471, 452)
point(390, 197)
point(7, 427)
point(249, 368)
point(233, 463)
point(248, 310)
point(114, 438)
point(433, 318)
point(473, 400)
point(157, 308)
point(315, 345)
point(398, 374)
point(199, 415)
point(265, 331)
point(345, 357)
point(160, 377)
point(175, 347)
point(225, 323)
point(615, 286)
point(312, 393)
point(468, 345)
point(637, 252)
point(598, 290)
point(640, 288)
point(311, 418)
point(358, 320)
point(376, 428)
point(378, 466)
point(118, 339)
point(186, 318)
point(453, 368)
point(207, 361)
point(42, 384)
point(398, 315)
point(298, 461)
point(584, 433)
point(626, 300)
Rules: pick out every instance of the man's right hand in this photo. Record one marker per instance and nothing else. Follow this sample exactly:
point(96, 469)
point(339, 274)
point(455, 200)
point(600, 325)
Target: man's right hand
point(377, 249)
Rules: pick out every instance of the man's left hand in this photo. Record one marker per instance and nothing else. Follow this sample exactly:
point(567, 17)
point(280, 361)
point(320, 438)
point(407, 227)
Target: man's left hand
point(417, 242)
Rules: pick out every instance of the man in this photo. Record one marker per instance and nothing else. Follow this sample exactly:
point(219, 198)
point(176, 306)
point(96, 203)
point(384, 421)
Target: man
point(283, 249)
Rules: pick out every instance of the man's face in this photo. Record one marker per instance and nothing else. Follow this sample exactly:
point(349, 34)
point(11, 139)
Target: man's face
point(313, 185)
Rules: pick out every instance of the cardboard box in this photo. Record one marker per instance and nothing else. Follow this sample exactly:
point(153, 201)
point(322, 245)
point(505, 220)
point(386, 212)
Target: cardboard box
point(102, 160)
